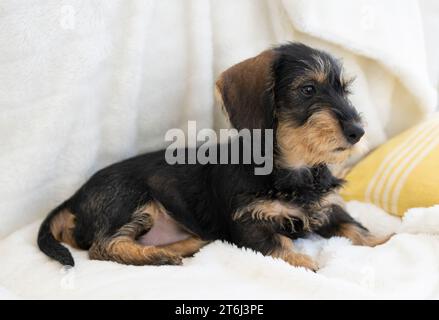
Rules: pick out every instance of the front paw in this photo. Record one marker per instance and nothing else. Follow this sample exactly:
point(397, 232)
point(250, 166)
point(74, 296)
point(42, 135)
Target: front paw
point(373, 241)
point(360, 236)
point(302, 260)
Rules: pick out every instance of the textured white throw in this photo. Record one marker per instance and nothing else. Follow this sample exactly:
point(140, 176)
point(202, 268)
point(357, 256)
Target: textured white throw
point(84, 83)
point(405, 267)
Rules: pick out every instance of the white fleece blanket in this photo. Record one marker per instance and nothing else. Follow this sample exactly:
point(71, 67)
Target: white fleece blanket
point(84, 83)
point(405, 267)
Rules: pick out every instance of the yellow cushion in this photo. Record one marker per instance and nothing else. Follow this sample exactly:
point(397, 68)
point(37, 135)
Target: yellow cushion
point(403, 173)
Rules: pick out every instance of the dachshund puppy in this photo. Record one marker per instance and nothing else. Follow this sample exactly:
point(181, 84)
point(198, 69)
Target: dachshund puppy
point(144, 211)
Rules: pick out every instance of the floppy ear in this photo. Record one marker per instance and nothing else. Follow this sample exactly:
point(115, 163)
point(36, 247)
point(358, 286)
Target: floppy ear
point(246, 92)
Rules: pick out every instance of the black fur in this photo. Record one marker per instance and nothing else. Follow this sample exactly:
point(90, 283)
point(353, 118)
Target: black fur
point(337, 217)
point(203, 198)
point(49, 245)
point(294, 61)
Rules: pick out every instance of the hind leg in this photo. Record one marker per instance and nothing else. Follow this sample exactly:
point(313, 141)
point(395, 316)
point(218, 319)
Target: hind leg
point(123, 246)
point(185, 248)
point(126, 250)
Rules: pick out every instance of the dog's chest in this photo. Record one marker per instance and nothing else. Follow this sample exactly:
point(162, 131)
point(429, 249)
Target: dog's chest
point(297, 200)
point(304, 187)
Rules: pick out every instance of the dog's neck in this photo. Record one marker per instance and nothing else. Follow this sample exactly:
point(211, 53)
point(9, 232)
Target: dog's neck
point(305, 185)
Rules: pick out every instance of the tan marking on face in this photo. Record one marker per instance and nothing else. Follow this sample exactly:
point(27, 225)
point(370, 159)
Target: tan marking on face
point(317, 71)
point(309, 77)
point(274, 210)
point(318, 75)
point(321, 68)
point(311, 143)
point(62, 227)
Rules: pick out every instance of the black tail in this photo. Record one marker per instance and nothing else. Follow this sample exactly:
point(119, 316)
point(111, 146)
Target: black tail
point(49, 245)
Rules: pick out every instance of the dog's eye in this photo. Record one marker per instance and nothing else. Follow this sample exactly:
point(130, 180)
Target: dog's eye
point(308, 90)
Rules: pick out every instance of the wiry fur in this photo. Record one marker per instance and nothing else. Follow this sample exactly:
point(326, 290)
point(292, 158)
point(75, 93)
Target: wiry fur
point(110, 213)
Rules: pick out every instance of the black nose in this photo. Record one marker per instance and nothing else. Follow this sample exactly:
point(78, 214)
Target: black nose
point(353, 132)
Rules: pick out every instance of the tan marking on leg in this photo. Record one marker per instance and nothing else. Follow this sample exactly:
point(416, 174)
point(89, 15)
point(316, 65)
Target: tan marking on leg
point(361, 237)
point(127, 251)
point(141, 221)
point(152, 209)
point(332, 198)
point(286, 252)
point(122, 247)
point(319, 211)
point(274, 210)
point(62, 227)
point(185, 248)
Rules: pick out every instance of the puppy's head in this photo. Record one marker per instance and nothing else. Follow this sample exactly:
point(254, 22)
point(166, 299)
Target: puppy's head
point(299, 92)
